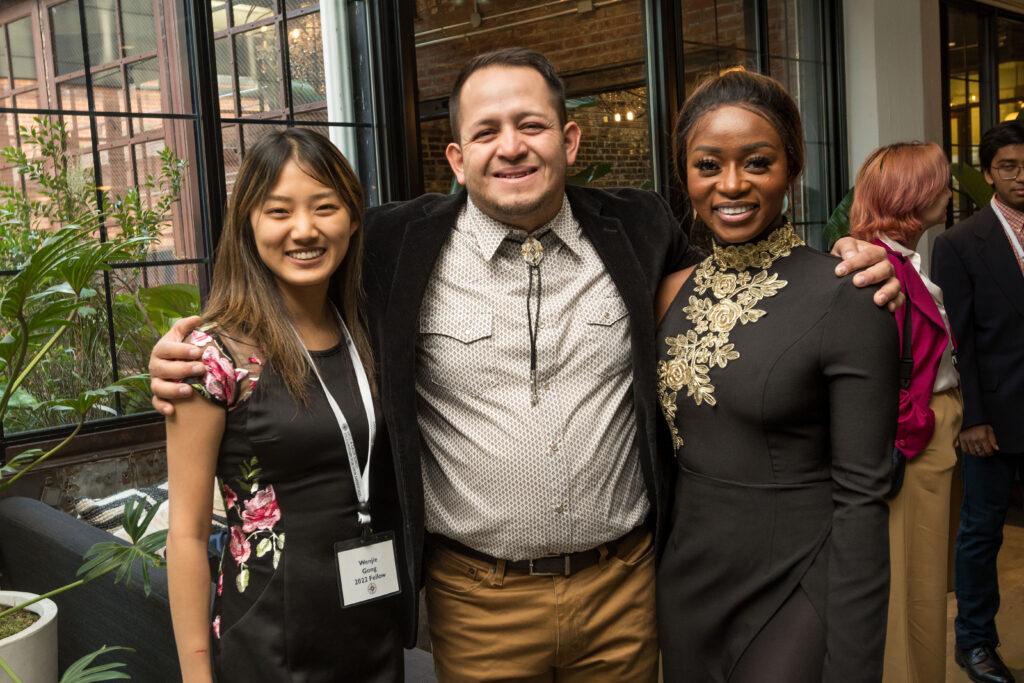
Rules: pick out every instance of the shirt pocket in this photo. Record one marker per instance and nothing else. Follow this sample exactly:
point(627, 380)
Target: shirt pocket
point(457, 352)
point(607, 335)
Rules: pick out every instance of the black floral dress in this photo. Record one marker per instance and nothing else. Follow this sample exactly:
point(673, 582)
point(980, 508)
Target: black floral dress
point(288, 493)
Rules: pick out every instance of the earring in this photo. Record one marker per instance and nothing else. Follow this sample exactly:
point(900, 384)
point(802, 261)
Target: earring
point(785, 203)
point(695, 216)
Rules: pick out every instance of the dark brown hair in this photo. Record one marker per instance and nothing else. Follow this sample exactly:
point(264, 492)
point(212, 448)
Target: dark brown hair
point(508, 56)
point(244, 297)
point(759, 94)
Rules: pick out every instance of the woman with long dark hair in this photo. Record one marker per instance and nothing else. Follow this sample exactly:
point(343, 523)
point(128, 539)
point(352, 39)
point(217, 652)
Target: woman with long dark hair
point(288, 366)
point(778, 386)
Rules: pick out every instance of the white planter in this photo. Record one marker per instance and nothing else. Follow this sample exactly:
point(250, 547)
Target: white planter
point(32, 653)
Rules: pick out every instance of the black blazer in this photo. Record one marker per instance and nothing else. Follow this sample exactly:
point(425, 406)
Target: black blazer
point(976, 267)
point(633, 232)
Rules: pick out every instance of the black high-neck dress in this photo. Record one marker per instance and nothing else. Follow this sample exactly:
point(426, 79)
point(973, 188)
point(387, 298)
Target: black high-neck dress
point(778, 382)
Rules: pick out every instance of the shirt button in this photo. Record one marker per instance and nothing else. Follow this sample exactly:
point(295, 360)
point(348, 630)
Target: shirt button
point(547, 385)
point(607, 315)
point(560, 509)
point(540, 324)
point(554, 448)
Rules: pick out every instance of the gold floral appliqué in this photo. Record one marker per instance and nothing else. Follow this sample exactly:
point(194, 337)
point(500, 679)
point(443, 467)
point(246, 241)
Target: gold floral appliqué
point(735, 291)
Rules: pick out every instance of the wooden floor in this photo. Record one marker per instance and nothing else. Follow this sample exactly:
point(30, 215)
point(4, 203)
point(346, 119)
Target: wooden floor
point(1010, 620)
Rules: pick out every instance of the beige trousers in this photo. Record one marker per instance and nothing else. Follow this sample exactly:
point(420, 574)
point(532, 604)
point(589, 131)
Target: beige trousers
point(915, 645)
point(487, 624)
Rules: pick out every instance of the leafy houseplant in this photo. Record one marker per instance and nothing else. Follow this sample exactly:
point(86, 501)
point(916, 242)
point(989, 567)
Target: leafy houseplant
point(51, 241)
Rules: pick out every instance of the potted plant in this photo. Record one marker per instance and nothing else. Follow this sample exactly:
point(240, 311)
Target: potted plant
point(58, 257)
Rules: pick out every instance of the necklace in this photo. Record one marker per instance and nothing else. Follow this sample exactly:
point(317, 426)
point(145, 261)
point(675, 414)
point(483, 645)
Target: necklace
point(735, 292)
point(533, 252)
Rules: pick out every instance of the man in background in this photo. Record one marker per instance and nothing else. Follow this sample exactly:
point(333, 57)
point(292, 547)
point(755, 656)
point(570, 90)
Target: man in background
point(979, 264)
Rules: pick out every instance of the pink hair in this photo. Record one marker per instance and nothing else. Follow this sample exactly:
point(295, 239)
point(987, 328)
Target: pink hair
point(893, 185)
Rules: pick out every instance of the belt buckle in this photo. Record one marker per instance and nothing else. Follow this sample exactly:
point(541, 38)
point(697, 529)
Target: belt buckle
point(566, 570)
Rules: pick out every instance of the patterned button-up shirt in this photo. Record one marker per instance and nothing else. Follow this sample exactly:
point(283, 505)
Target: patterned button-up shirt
point(501, 475)
point(1016, 220)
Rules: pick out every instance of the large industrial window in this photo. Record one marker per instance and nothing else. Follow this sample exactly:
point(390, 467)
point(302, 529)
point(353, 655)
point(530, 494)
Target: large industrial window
point(117, 86)
point(984, 61)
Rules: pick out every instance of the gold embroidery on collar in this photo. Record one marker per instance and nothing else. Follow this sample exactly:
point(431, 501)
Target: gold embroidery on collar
point(736, 294)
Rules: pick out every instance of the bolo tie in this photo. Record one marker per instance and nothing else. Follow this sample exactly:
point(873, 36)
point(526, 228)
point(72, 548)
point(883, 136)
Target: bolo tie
point(533, 252)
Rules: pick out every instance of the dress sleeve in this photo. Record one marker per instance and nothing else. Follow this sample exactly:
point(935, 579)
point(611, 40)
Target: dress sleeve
point(860, 362)
point(226, 382)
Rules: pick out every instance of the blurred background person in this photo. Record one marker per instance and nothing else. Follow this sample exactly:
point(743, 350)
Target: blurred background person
point(901, 190)
point(979, 263)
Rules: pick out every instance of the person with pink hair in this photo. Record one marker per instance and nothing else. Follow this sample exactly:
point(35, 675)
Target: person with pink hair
point(901, 190)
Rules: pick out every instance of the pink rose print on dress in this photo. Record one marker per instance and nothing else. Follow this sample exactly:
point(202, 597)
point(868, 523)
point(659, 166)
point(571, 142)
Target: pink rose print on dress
point(230, 497)
point(239, 546)
point(255, 361)
point(220, 380)
point(216, 627)
point(261, 511)
point(200, 338)
point(220, 583)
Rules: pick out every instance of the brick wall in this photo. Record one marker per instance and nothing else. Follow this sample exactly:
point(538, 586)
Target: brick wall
point(600, 51)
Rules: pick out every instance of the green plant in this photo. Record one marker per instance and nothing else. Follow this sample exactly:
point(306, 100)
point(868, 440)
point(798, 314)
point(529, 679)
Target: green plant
point(60, 261)
point(65, 193)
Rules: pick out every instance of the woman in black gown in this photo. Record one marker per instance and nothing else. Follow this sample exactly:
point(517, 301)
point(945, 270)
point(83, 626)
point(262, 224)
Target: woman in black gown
point(284, 311)
point(778, 383)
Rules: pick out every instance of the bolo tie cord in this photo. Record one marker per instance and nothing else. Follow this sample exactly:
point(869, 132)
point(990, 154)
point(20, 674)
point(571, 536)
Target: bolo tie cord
point(533, 252)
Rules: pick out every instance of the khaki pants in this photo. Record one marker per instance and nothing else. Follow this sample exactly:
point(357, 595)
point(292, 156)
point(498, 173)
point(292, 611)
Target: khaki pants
point(487, 624)
point(915, 645)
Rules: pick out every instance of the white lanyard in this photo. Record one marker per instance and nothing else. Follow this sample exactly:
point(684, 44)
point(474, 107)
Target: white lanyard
point(1010, 234)
point(360, 479)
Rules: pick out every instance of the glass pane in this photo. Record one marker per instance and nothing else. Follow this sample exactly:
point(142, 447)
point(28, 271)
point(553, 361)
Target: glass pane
point(116, 177)
point(720, 22)
point(147, 163)
point(101, 24)
point(26, 100)
point(292, 5)
point(254, 132)
point(618, 117)
point(615, 28)
point(139, 26)
point(225, 88)
point(259, 74)
point(23, 52)
point(251, 11)
point(313, 115)
point(8, 127)
point(144, 93)
point(306, 57)
point(108, 90)
point(73, 95)
point(1010, 56)
point(79, 136)
point(219, 12)
point(67, 37)
point(3, 59)
point(108, 95)
point(232, 149)
point(788, 34)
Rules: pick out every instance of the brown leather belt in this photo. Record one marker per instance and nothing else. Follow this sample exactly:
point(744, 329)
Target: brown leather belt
point(552, 565)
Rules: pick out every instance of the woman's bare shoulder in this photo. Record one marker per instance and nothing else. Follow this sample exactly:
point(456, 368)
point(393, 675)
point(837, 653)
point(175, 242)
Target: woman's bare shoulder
point(668, 289)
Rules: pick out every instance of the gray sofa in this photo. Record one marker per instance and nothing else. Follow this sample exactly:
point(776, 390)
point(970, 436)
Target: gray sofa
point(42, 548)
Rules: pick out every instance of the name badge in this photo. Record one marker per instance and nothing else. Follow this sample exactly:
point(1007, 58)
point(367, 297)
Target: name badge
point(367, 568)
